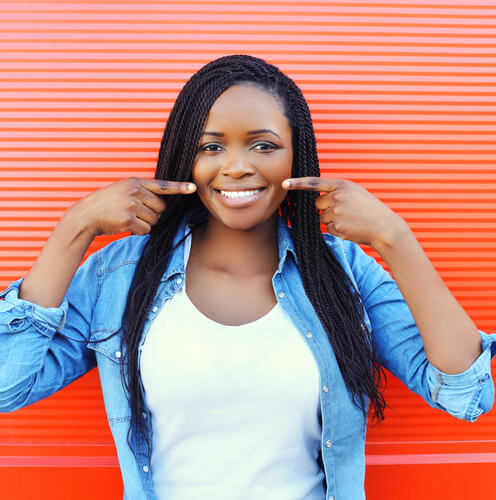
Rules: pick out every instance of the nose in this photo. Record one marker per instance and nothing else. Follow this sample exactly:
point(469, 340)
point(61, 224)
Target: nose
point(237, 166)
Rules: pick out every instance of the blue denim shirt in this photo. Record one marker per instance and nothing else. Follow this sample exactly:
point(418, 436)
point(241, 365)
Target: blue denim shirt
point(38, 355)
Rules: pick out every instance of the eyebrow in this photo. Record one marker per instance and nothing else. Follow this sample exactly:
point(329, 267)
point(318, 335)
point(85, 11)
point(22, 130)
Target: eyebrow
point(251, 132)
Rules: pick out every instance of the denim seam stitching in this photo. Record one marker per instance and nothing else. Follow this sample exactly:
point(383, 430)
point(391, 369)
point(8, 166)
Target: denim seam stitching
point(473, 407)
point(106, 270)
point(324, 368)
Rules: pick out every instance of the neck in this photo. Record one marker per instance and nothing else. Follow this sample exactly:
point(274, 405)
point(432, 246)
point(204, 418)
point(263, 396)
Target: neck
point(250, 252)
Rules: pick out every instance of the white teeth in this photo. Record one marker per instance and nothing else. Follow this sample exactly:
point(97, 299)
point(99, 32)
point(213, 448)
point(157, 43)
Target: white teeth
point(239, 194)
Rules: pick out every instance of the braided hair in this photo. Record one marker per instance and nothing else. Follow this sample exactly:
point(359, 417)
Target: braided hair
point(335, 299)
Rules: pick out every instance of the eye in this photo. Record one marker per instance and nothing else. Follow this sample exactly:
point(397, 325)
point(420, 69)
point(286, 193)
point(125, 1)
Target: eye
point(264, 146)
point(210, 147)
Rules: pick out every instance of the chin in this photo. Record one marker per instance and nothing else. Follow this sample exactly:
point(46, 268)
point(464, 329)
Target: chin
point(243, 223)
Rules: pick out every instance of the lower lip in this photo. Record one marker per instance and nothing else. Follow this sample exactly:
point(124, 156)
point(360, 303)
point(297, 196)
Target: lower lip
point(241, 201)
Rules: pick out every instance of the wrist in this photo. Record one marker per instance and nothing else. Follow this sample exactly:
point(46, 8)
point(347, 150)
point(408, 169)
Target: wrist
point(78, 223)
point(392, 236)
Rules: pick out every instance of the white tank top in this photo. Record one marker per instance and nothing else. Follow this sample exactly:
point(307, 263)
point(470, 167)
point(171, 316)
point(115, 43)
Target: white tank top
point(235, 409)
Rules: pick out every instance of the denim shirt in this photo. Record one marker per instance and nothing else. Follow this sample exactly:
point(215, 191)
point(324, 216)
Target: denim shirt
point(44, 349)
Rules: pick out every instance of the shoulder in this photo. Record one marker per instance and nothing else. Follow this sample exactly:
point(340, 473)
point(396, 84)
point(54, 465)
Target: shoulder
point(121, 252)
point(365, 272)
point(347, 252)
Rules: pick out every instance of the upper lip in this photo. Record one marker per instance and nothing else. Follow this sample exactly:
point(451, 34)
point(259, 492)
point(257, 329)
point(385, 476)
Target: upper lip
point(238, 188)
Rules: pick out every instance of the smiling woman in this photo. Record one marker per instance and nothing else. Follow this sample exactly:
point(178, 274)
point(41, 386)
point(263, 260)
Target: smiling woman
point(240, 350)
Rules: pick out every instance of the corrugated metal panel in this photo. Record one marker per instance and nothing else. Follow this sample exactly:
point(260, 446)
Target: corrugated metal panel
point(403, 97)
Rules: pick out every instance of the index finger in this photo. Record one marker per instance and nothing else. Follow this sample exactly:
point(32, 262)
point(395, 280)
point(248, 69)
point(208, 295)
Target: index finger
point(311, 184)
point(159, 186)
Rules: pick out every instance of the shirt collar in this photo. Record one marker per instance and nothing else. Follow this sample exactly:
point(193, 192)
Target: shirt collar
point(176, 263)
point(285, 242)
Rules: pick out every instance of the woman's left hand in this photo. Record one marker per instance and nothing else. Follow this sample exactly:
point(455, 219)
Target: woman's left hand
point(350, 212)
point(451, 340)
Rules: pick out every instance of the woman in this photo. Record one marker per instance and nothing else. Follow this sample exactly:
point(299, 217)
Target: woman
point(247, 341)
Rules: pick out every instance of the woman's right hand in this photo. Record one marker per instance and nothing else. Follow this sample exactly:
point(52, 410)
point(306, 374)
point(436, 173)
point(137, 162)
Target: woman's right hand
point(129, 205)
point(132, 204)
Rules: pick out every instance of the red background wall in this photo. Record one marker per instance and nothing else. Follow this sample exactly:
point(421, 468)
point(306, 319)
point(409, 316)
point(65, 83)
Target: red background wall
point(403, 98)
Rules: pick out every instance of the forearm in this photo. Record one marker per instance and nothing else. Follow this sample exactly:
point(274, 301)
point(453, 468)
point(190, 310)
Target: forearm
point(451, 339)
point(51, 274)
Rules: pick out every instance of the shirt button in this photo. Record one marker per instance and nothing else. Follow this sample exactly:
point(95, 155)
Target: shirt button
point(282, 295)
point(326, 389)
point(328, 443)
point(145, 468)
point(154, 309)
point(179, 281)
point(118, 354)
point(331, 498)
point(309, 335)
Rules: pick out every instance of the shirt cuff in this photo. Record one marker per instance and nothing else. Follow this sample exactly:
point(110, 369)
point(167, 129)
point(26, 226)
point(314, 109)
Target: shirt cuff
point(47, 320)
point(469, 394)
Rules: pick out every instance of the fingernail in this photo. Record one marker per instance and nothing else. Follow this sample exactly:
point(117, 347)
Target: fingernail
point(190, 187)
point(286, 184)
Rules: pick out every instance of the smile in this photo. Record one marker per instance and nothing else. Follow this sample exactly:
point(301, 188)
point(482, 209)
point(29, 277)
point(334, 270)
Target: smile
point(239, 194)
point(240, 199)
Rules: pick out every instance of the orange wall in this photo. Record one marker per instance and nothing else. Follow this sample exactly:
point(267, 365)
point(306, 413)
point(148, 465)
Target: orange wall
point(403, 98)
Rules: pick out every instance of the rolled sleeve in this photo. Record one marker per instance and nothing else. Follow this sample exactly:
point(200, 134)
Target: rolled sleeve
point(400, 349)
point(469, 394)
point(44, 349)
point(18, 311)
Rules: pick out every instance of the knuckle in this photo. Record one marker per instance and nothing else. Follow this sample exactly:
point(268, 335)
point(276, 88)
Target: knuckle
point(326, 217)
point(126, 221)
point(132, 181)
point(132, 205)
point(314, 182)
point(323, 201)
point(132, 190)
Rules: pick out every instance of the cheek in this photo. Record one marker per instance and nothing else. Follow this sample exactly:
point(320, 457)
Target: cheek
point(200, 174)
point(201, 177)
point(285, 167)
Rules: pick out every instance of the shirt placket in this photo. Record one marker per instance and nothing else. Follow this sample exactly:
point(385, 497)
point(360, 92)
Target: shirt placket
point(288, 304)
point(165, 292)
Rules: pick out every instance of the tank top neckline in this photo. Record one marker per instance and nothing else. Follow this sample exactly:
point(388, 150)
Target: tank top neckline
point(256, 322)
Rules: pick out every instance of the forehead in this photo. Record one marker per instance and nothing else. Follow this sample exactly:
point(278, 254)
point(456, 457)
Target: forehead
point(246, 105)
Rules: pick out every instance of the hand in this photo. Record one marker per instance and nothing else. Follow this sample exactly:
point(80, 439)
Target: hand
point(350, 212)
point(132, 204)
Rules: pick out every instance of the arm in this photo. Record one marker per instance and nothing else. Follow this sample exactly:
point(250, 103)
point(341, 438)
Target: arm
point(128, 205)
point(399, 346)
point(45, 319)
point(44, 349)
point(53, 270)
point(450, 338)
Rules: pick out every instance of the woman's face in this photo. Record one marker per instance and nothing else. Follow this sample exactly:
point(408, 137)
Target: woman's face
point(244, 154)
